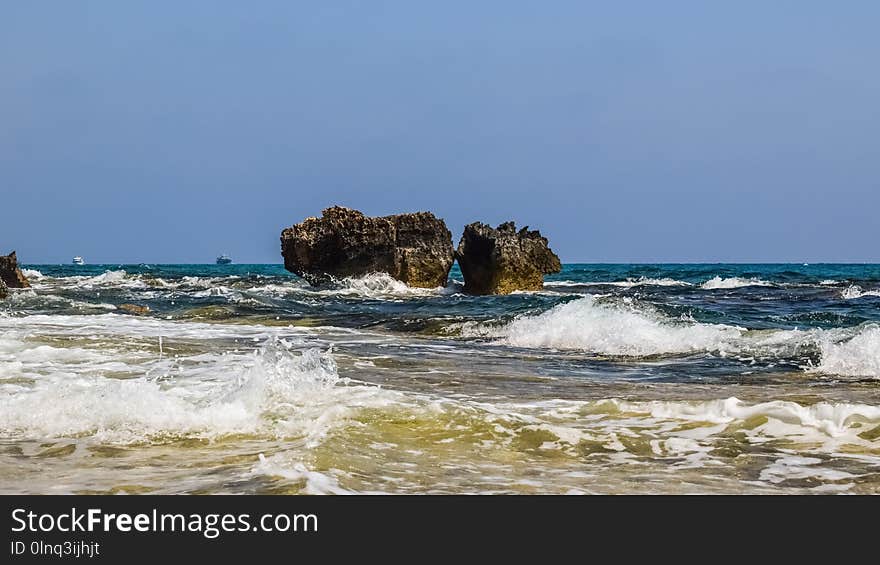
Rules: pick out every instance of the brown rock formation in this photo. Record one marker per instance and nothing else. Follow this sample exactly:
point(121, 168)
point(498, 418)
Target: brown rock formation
point(135, 309)
point(413, 248)
point(10, 273)
point(501, 260)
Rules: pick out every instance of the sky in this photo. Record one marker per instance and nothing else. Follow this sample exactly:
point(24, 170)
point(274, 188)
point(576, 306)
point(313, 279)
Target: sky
point(171, 132)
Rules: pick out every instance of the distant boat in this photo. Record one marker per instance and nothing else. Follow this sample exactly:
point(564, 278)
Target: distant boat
point(78, 260)
point(224, 260)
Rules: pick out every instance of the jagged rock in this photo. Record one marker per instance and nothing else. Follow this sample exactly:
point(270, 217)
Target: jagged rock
point(135, 309)
point(3, 290)
point(413, 248)
point(10, 273)
point(501, 260)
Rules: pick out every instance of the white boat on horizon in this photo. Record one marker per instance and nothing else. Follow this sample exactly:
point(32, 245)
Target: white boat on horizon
point(224, 259)
point(78, 260)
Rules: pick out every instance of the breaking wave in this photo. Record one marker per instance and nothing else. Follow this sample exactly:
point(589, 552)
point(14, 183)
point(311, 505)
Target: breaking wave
point(627, 328)
point(858, 356)
point(719, 283)
point(273, 392)
point(620, 329)
point(643, 281)
point(382, 285)
point(855, 291)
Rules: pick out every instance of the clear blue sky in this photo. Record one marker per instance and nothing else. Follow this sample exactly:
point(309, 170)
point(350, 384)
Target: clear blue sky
point(625, 131)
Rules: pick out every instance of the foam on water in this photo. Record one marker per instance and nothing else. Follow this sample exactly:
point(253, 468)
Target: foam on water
point(627, 328)
point(252, 404)
point(621, 328)
point(282, 466)
point(855, 291)
point(629, 283)
point(719, 283)
point(582, 438)
point(120, 325)
point(858, 356)
point(382, 285)
point(274, 392)
point(107, 278)
point(25, 298)
point(831, 419)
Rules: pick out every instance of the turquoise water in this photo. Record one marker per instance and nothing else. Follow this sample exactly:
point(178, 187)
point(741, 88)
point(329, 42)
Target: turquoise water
point(614, 378)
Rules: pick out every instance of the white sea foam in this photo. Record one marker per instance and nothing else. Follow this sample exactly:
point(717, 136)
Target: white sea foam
point(116, 325)
point(281, 466)
point(650, 282)
point(29, 297)
point(620, 426)
point(273, 392)
point(32, 274)
point(796, 467)
point(643, 281)
point(719, 283)
point(855, 291)
point(382, 285)
point(832, 419)
point(106, 278)
point(628, 328)
point(620, 328)
point(858, 356)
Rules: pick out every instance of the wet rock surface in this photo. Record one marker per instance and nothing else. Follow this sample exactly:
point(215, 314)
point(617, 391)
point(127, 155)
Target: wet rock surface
point(502, 260)
point(413, 248)
point(134, 309)
point(10, 273)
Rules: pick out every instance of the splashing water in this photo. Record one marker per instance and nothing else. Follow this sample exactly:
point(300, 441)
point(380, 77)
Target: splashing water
point(615, 378)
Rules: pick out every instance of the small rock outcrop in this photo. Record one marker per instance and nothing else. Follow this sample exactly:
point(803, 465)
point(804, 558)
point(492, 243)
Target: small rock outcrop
point(413, 248)
point(501, 260)
point(134, 309)
point(10, 273)
point(3, 291)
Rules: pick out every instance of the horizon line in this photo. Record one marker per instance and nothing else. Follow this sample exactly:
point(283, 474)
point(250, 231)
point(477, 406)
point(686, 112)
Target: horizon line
point(564, 262)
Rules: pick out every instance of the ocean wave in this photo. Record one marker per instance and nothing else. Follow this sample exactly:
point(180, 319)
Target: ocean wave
point(629, 328)
point(855, 291)
point(719, 283)
point(112, 325)
point(274, 392)
point(32, 274)
point(374, 285)
point(29, 298)
point(620, 328)
point(108, 279)
point(643, 281)
point(105, 278)
point(858, 356)
point(381, 285)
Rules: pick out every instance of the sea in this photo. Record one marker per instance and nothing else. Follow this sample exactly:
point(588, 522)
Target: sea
point(632, 379)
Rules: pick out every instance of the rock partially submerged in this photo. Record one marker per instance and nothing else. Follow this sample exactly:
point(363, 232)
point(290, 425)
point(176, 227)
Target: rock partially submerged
point(501, 260)
point(135, 309)
point(413, 248)
point(10, 273)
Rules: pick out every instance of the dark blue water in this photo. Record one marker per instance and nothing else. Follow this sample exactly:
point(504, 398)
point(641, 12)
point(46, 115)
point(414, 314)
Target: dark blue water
point(784, 296)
